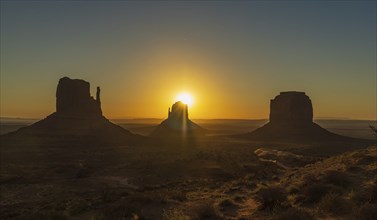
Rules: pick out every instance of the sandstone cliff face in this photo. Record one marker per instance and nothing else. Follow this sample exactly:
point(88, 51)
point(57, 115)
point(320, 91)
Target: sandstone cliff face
point(73, 98)
point(291, 107)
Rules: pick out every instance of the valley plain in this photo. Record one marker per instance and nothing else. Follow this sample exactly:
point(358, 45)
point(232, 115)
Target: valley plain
point(211, 177)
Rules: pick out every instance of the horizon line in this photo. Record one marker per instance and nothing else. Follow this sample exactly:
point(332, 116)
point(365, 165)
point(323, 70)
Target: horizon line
point(156, 118)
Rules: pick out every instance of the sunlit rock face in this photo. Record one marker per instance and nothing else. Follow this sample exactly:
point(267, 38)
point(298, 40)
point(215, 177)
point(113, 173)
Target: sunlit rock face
point(291, 119)
point(290, 108)
point(73, 98)
point(178, 123)
point(79, 116)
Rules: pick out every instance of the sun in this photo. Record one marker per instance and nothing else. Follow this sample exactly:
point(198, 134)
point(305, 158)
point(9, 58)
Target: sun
point(185, 98)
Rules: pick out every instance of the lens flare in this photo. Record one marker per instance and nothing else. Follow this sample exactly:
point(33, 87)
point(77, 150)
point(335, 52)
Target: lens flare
point(185, 98)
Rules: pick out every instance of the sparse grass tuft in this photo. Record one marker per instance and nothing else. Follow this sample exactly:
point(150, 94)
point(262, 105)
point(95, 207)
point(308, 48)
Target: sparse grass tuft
point(335, 204)
point(207, 211)
point(174, 214)
point(337, 178)
point(121, 212)
point(366, 212)
point(365, 195)
point(292, 189)
point(271, 197)
point(294, 213)
point(50, 215)
point(226, 203)
point(315, 192)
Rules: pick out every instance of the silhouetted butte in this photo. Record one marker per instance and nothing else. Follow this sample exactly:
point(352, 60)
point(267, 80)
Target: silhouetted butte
point(78, 115)
point(291, 119)
point(178, 124)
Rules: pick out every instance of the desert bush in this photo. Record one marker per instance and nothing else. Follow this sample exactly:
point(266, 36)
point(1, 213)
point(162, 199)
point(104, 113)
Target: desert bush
point(102, 216)
point(308, 179)
point(239, 198)
point(355, 169)
point(225, 203)
point(360, 196)
point(315, 192)
point(207, 211)
point(178, 196)
point(335, 204)
point(174, 214)
point(366, 160)
point(292, 189)
point(337, 178)
point(294, 214)
point(271, 197)
point(366, 195)
point(49, 215)
point(98, 216)
point(120, 211)
point(366, 212)
point(373, 193)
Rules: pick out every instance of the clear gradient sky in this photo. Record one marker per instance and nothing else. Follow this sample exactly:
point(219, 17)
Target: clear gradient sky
point(233, 57)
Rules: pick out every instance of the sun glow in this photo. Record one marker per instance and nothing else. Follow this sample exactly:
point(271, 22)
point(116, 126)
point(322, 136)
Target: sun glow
point(185, 98)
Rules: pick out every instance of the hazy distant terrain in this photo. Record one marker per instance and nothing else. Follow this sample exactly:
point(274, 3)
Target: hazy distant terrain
point(352, 128)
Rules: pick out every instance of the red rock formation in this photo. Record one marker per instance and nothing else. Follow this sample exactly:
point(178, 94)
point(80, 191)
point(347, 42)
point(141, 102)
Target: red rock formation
point(178, 123)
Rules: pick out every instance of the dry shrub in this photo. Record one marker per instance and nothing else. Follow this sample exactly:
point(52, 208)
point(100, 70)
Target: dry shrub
point(366, 195)
point(294, 214)
point(315, 192)
point(373, 193)
point(119, 211)
point(226, 203)
point(337, 178)
point(207, 211)
point(174, 214)
point(48, 215)
point(292, 189)
point(366, 160)
point(335, 204)
point(366, 212)
point(271, 197)
point(178, 196)
point(308, 179)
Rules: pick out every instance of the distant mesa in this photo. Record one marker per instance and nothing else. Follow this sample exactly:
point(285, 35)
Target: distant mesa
point(291, 119)
point(178, 123)
point(77, 114)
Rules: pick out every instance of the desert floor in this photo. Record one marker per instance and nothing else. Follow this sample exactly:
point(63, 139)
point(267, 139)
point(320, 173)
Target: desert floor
point(214, 177)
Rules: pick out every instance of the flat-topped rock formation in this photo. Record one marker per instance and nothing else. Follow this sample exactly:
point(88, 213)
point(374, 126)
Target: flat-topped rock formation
point(291, 108)
point(73, 98)
point(78, 115)
point(178, 123)
point(291, 120)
